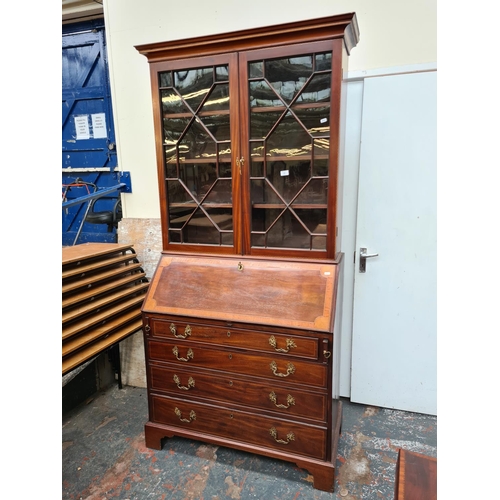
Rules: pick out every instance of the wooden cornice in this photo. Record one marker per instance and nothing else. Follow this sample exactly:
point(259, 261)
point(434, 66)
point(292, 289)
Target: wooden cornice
point(343, 26)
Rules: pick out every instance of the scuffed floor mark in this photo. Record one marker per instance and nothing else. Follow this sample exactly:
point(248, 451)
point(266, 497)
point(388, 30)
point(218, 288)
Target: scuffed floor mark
point(66, 445)
point(197, 482)
point(355, 471)
point(106, 421)
point(233, 490)
point(112, 482)
point(370, 411)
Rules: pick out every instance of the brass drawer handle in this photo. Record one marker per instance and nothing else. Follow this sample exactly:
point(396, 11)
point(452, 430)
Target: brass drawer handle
point(183, 387)
point(290, 344)
point(187, 332)
point(192, 415)
point(290, 369)
point(289, 437)
point(190, 354)
point(289, 399)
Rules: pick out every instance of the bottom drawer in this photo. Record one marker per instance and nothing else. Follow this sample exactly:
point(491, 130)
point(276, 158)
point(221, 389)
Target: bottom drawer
point(292, 437)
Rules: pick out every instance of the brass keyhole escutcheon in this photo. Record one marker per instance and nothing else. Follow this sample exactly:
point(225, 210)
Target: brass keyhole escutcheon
point(240, 266)
point(230, 356)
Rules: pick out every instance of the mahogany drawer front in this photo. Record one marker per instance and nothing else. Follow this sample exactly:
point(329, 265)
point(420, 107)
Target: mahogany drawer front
point(267, 395)
point(267, 366)
point(292, 437)
point(295, 345)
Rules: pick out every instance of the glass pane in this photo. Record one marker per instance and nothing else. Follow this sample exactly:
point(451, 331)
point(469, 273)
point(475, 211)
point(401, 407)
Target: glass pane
point(256, 149)
point(258, 240)
point(172, 102)
point(171, 167)
point(316, 120)
point(177, 193)
point(318, 242)
point(320, 167)
point(256, 69)
point(173, 128)
point(194, 85)
point(261, 192)
point(257, 169)
point(174, 236)
point(288, 232)
point(289, 139)
point(226, 238)
point(225, 152)
point(225, 170)
point(288, 75)
point(166, 79)
point(218, 126)
point(321, 148)
point(200, 229)
point(197, 143)
point(220, 193)
point(314, 220)
point(263, 218)
point(261, 123)
point(179, 216)
point(222, 218)
point(317, 90)
point(218, 100)
point(323, 61)
point(261, 94)
point(222, 73)
point(171, 160)
point(288, 177)
point(198, 178)
point(316, 192)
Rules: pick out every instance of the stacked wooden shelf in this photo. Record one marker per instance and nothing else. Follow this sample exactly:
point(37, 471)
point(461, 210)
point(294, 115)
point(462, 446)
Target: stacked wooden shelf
point(103, 287)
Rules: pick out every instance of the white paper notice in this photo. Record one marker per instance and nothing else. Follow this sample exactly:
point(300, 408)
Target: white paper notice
point(284, 173)
point(82, 127)
point(99, 125)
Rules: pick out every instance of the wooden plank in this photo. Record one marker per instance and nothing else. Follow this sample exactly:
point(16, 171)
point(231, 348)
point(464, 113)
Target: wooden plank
point(93, 279)
point(99, 290)
point(107, 300)
point(104, 316)
point(84, 251)
point(79, 341)
point(416, 476)
point(91, 350)
point(93, 265)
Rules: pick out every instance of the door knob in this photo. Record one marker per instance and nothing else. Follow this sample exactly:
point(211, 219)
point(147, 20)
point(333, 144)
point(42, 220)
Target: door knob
point(362, 258)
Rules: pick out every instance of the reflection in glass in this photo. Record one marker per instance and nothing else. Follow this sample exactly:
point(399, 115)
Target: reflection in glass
point(316, 192)
point(166, 79)
point(220, 193)
point(221, 73)
point(194, 84)
point(314, 220)
point(225, 170)
point(316, 120)
point(177, 193)
point(200, 229)
point(317, 90)
point(262, 192)
point(257, 149)
point(218, 126)
point(261, 123)
point(198, 178)
point(321, 147)
point(263, 218)
point(172, 102)
point(289, 75)
point(173, 128)
point(288, 177)
point(323, 61)
point(197, 143)
point(318, 242)
point(222, 218)
point(320, 167)
point(218, 100)
point(256, 69)
point(289, 138)
point(261, 94)
point(257, 169)
point(288, 232)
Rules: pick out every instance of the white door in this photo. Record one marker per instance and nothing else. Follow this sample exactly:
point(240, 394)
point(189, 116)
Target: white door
point(394, 311)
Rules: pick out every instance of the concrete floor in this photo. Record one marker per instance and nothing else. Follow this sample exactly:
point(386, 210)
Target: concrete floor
point(104, 457)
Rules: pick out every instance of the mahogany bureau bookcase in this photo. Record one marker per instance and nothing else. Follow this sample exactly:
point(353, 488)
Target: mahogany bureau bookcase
point(242, 315)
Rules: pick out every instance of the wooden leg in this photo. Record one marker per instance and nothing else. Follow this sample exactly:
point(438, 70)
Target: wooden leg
point(154, 436)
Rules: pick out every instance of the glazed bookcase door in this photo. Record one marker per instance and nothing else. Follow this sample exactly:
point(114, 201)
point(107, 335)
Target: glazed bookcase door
point(196, 103)
point(286, 98)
